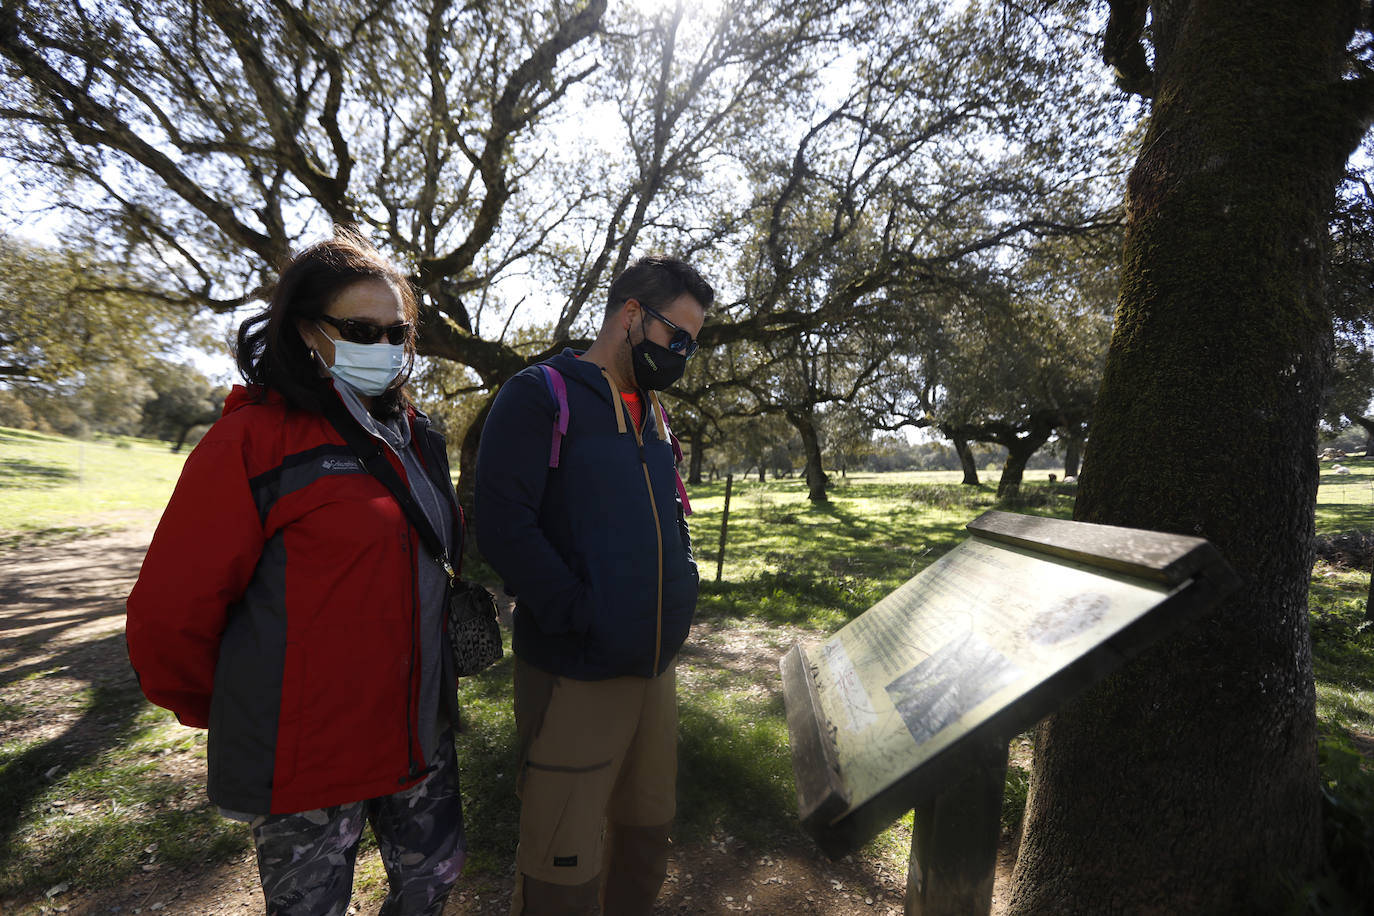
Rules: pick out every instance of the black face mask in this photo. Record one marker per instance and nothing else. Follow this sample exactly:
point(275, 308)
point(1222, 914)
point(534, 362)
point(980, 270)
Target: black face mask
point(656, 367)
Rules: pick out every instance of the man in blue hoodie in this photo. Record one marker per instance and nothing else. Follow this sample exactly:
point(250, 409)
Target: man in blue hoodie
point(588, 530)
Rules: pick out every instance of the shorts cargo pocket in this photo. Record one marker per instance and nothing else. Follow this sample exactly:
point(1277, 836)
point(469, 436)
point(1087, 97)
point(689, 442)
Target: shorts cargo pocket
point(561, 820)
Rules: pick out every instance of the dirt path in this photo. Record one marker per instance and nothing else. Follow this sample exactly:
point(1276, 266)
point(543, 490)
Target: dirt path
point(62, 616)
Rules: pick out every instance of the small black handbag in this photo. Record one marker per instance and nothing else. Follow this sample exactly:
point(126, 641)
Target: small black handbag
point(473, 631)
point(472, 627)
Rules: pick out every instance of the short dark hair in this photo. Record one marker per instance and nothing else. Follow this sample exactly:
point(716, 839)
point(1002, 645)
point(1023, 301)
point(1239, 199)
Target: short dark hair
point(657, 279)
point(269, 350)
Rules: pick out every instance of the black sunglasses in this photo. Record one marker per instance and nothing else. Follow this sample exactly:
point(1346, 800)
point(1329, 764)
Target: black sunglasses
point(365, 332)
point(682, 342)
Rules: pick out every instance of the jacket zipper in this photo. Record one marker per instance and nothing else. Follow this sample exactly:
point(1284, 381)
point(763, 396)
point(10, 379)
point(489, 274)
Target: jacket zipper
point(653, 506)
point(658, 533)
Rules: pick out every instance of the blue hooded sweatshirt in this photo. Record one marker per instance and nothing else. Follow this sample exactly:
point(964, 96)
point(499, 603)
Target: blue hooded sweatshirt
point(596, 550)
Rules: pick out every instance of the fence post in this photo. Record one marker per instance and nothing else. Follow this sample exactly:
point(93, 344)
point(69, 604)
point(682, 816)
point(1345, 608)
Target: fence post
point(724, 523)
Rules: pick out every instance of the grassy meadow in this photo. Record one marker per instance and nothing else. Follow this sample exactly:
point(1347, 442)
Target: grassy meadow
point(51, 486)
point(87, 815)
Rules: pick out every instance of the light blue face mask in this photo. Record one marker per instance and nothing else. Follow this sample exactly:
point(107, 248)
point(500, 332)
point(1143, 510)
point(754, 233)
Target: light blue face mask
point(367, 368)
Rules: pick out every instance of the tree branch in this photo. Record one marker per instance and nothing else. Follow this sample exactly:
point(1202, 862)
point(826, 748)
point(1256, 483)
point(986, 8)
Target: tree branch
point(1123, 47)
point(506, 118)
point(93, 124)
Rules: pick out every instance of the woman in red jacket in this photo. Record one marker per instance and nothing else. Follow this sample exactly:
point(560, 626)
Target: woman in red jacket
point(287, 605)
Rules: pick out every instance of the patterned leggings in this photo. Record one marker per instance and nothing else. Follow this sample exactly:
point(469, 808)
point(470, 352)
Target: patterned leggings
point(306, 859)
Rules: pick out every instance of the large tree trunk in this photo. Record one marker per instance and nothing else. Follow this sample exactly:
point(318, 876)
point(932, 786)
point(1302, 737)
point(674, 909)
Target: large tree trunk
point(1187, 783)
point(1019, 451)
point(965, 453)
point(816, 478)
point(698, 455)
point(1369, 600)
point(1367, 424)
point(1073, 453)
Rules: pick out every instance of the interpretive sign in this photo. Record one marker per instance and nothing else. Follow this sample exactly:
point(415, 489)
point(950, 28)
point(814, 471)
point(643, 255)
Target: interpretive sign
point(931, 683)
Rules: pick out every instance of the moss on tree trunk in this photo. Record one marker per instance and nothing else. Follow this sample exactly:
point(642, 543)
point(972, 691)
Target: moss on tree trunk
point(1187, 784)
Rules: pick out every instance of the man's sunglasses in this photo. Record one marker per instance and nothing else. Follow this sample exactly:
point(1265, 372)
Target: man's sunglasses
point(365, 332)
point(682, 342)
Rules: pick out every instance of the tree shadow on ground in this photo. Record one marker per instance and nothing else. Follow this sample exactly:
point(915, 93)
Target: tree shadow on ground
point(22, 473)
point(108, 720)
point(64, 676)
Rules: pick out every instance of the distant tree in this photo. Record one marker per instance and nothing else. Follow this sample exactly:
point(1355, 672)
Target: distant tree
point(756, 443)
point(1349, 389)
point(1009, 355)
point(110, 398)
point(183, 399)
point(803, 377)
point(698, 433)
point(65, 313)
point(847, 435)
point(77, 349)
point(1350, 290)
point(1017, 357)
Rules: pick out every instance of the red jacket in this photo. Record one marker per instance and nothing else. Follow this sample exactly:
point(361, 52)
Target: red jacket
point(277, 606)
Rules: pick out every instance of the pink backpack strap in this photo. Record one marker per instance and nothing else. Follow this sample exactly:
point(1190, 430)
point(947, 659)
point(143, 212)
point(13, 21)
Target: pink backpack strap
point(559, 392)
point(682, 494)
point(677, 456)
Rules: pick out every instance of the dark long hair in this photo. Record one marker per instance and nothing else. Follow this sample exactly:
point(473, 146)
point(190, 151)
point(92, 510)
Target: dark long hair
point(269, 350)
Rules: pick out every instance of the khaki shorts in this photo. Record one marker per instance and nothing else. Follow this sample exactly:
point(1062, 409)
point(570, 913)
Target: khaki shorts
point(592, 751)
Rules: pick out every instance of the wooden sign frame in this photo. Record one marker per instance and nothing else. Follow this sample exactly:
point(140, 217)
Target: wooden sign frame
point(1190, 576)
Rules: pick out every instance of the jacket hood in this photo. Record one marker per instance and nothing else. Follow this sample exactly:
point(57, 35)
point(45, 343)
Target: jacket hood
point(582, 371)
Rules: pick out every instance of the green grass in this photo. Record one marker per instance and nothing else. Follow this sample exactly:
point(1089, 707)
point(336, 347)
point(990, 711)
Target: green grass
point(735, 769)
point(1346, 503)
point(89, 818)
point(803, 570)
point(50, 485)
point(787, 561)
point(1343, 649)
point(1342, 640)
point(791, 570)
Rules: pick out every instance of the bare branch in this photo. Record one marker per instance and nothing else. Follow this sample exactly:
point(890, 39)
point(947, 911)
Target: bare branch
point(507, 117)
point(94, 124)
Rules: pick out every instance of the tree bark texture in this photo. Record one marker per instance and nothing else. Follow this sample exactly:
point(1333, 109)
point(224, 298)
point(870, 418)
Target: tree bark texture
point(695, 461)
point(1369, 600)
point(1019, 452)
point(965, 453)
point(1366, 424)
point(1073, 451)
point(1187, 783)
point(816, 479)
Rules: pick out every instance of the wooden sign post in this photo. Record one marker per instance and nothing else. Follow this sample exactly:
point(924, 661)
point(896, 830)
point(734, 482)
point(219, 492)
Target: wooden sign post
point(913, 703)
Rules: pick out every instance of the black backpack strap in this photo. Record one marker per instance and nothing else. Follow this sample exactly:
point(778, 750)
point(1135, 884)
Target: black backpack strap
point(373, 457)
